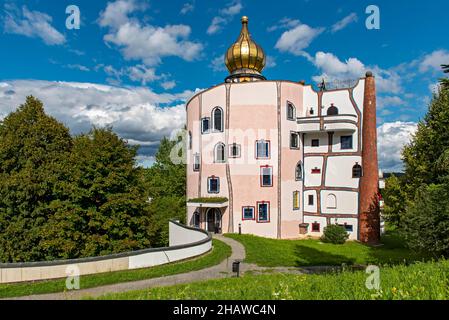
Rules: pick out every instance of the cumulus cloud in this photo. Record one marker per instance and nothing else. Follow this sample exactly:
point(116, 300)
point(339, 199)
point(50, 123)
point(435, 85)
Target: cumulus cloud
point(297, 39)
point(226, 15)
point(136, 113)
point(167, 85)
point(343, 23)
point(32, 24)
point(187, 7)
point(434, 60)
point(391, 138)
point(146, 43)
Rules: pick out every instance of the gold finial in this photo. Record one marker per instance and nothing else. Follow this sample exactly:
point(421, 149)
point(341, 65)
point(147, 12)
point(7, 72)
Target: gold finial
point(245, 57)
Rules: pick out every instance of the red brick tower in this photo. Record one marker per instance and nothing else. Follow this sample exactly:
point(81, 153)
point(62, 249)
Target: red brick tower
point(369, 224)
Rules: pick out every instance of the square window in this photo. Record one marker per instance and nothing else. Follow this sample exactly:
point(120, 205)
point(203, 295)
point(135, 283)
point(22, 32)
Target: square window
point(266, 176)
point(294, 140)
point(311, 199)
point(315, 227)
point(348, 227)
point(248, 213)
point(205, 125)
point(234, 150)
point(315, 142)
point(263, 212)
point(213, 185)
point(262, 149)
point(346, 142)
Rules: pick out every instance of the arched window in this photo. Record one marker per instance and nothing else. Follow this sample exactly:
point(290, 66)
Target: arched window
point(357, 170)
point(298, 171)
point(331, 202)
point(290, 111)
point(332, 111)
point(217, 118)
point(220, 152)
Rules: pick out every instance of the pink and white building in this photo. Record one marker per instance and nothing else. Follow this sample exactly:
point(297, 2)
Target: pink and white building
point(278, 158)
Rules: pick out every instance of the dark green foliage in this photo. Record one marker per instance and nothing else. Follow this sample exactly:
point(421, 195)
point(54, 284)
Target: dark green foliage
point(395, 199)
point(445, 81)
point(209, 199)
point(64, 197)
point(426, 222)
point(335, 234)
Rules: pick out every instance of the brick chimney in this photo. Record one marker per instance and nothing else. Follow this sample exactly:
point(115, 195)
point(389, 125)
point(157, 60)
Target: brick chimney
point(369, 223)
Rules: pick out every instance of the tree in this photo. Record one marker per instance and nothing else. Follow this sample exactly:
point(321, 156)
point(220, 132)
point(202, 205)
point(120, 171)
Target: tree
point(426, 226)
point(395, 198)
point(445, 81)
point(32, 148)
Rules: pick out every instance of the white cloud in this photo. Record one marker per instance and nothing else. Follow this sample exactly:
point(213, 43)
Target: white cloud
point(135, 113)
point(270, 62)
point(297, 39)
point(391, 138)
point(216, 25)
point(142, 74)
point(390, 101)
point(167, 85)
point(187, 7)
point(33, 24)
point(217, 64)
point(285, 23)
point(332, 68)
point(434, 60)
point(146, 42)
point(226, 15)
point(343, 23)
point(78, 67)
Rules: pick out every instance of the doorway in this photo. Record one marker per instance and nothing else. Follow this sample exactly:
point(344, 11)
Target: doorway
point(213, 220)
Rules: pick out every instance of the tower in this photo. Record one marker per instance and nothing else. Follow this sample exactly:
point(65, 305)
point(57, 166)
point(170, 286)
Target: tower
point(369, 182)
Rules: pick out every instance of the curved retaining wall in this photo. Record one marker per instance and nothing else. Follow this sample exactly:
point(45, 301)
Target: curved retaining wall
point(184, 242)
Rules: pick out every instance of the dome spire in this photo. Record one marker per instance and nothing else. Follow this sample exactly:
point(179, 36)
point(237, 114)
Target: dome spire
point(245, 59)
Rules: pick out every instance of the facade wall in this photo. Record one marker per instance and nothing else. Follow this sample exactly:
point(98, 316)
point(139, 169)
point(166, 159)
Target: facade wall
point(258, 110)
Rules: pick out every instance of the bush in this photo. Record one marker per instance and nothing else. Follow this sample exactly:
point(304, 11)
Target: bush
point(335, 234)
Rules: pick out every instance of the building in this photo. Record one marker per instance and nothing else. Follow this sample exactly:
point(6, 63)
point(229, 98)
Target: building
point(278, 158)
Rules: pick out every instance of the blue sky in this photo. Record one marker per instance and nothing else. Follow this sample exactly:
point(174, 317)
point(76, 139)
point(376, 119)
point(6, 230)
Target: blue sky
point(133, 63)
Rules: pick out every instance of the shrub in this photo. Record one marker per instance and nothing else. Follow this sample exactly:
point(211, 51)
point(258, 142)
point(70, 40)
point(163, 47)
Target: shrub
point(334, 234)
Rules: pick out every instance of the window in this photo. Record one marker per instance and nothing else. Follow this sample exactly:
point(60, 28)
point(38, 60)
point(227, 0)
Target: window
point(190, 140)
point(234, 150)
point(205, 125)
point(213, 185)
point(294, 140)
point(217, 117)
point(262, 149)
point(345, 142)
point(220, 153)
point(196, 162)
point(331, 201)
point(290, 111)
point(248, 213)
point(315, 142)
point(348, 227)
point(311, 112)
point(296, 200)
point(298, 172)
point(266, 176)
point(315, 227)
point(332, 111)
point(263, 211)
point(196, 220)
point(357, 170)
point(310, 199)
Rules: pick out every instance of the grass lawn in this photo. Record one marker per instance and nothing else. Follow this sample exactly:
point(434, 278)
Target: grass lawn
point(428, 280)
point(309, 252)
point(219, 252)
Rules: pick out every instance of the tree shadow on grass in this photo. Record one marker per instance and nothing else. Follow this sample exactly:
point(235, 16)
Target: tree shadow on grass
point(307, 256)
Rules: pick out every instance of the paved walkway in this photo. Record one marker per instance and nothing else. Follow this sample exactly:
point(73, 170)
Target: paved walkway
point(222, 270)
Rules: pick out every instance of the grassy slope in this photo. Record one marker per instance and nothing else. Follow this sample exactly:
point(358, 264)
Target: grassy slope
point(312, 252)
point(418, 281)
point(220, 252)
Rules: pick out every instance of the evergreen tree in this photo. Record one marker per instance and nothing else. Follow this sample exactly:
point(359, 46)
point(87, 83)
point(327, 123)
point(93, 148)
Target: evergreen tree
point(445, 81)
point(395, 199)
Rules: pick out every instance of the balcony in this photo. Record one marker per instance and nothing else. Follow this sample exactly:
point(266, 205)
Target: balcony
point(342, 122)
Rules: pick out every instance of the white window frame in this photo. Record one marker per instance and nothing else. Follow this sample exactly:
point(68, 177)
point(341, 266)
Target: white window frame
point(202, 125)
point(209, 184)
point(268, 148)
point(213, 119)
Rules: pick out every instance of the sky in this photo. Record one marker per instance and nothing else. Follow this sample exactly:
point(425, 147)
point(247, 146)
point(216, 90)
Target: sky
point(133, 64)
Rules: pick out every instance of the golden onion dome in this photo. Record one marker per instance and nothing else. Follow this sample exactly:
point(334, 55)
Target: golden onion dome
point(245, 58)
